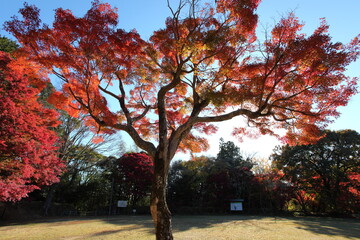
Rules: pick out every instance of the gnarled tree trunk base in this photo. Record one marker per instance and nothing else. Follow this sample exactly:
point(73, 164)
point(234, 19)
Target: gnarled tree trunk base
point(159, 210)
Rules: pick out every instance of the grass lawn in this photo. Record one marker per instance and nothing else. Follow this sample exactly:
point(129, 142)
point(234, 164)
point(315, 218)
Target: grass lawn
point(184, 227)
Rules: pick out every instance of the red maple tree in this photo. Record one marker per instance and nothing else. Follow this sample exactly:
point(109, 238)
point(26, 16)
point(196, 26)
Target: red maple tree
point(134, 174)
point(202, 68)
point(28, 156)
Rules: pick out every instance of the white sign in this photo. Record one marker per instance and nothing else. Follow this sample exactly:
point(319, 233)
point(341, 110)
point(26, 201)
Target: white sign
point(122, 204)
point(236, 206)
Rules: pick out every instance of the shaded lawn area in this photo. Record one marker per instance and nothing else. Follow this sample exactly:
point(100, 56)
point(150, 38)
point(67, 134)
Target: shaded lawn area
point(185, 227)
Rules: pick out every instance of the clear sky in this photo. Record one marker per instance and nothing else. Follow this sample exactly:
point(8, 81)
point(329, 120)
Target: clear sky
point(148, 15)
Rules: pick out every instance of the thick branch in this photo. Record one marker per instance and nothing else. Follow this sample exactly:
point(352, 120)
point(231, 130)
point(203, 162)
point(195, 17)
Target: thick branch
point(228, 116)
point(140, 116)
point(180, 133)
point(297, 111)
point(145, 145)
point(163, 130)
point(109, 93)
point(122, 101)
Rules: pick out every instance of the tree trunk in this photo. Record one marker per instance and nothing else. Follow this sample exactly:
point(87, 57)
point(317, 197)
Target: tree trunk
point(111, 197)
point(49, 198)
point(159, 208)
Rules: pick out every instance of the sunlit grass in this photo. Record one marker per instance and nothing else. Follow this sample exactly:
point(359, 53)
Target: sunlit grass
point(185, 227)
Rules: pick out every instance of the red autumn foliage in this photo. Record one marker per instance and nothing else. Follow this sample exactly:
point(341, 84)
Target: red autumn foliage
point(297, 85)
point(28, 157)
point(135, 175)
point(274, 188)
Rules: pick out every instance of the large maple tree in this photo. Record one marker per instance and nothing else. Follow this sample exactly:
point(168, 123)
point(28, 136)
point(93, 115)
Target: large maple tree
point(28, 155)
point(204, 66)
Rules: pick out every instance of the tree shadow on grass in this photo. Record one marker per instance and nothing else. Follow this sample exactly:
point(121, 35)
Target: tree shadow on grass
point(142, 221)
point(110, 232)
point(186, 222)
point(183, 222)
point(349, 228)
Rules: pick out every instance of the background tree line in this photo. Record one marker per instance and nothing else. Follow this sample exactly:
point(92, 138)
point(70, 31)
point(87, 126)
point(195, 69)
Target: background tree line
point(321, 178)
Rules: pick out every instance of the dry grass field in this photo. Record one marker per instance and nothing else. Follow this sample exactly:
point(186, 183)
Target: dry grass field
point(234, 227)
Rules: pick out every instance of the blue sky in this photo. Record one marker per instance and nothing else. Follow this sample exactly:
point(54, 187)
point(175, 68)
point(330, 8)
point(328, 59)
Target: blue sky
point(148, 15)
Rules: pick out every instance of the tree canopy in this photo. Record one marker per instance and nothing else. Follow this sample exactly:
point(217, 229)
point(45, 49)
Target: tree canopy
point(7, 45)
point(134, 175)
point(28, 155)
point(192, 71)
point(230, 155)
point(328, 170)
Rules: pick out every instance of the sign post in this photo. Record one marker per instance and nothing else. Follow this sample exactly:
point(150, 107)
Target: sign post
point(122, 204)
point(236, 205)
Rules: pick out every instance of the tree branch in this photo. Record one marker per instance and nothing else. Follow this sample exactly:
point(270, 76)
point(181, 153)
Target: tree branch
point(228, 116)
point(145, 145)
